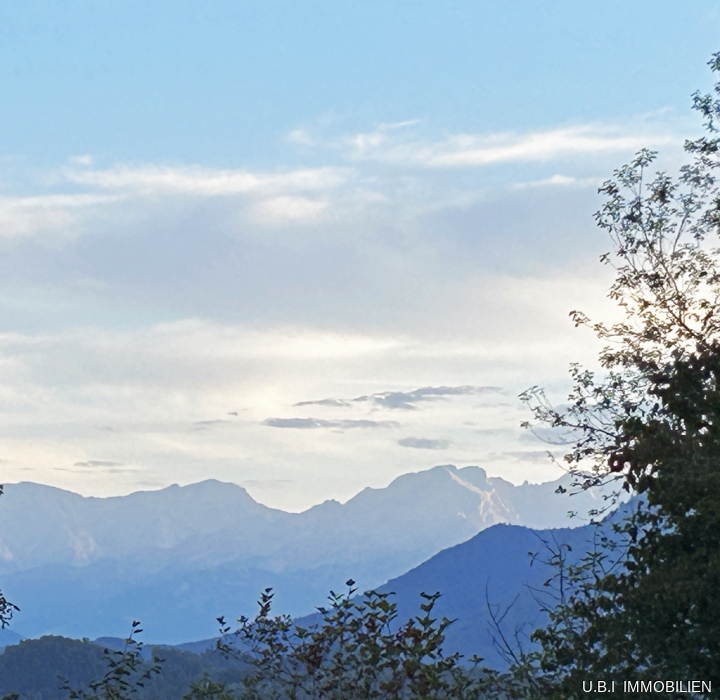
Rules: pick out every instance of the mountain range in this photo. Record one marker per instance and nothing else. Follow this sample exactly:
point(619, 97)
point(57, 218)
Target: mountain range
point(179, 557)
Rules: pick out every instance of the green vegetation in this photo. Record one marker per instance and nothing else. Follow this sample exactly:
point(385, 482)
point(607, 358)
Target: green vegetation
point(34, 668)
point(642, 605)
point(39, 669)
point(356, 651)
point(125, 676)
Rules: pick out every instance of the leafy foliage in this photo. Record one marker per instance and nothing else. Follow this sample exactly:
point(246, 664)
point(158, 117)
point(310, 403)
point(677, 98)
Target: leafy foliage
point(207, 689)
point(667, 285)
point(652, 423)
point(125, 675)
point(645, 602)
point(357, 651)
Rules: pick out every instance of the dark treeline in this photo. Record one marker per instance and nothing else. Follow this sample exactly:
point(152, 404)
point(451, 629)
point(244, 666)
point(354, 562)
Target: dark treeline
point(37, 669)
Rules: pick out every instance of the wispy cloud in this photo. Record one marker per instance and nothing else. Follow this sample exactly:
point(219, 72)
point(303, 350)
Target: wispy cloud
point(559, 181)
point(530, 456)
point(424, 443)
point(334, 403)
point(310, 423)
point(99, 466)
point(22, 216)
point(269, 198)
point(406, 400)
point(210, 182)
point(301, 137)
point(472, 150)
point(287, 209)
point(205, 424)
point(86, 160)
point(527, 456)
point(308, 195)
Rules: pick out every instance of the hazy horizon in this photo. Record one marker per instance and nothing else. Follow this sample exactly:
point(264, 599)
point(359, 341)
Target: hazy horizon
point(247, 487)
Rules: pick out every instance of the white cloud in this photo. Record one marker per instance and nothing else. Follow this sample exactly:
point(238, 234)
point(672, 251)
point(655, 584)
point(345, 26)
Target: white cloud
point(472, 150)
point(272, 198)
point(401, 125)
point(208, 182)
point(307, 195)
point(300, 136)
point(561, 181)
point(82, 160)
point(288, 210)
point(24, 216)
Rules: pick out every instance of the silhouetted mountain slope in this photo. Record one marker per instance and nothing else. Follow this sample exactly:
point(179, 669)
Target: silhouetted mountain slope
point(7, 637)
point(492, 570)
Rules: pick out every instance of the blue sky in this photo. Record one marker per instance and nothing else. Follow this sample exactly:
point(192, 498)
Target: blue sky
point(220, 83)
point(220, 208)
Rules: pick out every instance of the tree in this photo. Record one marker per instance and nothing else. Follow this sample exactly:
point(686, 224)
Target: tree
point(207, 689)
point(6, 607)
point(643, 604)
point(651, 424)
point(668, 286)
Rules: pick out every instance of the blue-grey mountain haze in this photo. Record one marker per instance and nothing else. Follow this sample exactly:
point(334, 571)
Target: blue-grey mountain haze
point(179, 557)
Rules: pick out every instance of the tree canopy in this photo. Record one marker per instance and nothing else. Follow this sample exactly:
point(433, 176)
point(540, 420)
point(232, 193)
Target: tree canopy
point(651, 423)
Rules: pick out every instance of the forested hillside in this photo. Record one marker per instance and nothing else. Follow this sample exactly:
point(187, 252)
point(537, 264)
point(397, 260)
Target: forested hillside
point(37, 669)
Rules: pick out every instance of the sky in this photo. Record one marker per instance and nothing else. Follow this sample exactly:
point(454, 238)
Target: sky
point(308, 247)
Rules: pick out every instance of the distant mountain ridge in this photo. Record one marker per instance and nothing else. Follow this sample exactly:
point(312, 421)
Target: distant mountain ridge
point(179, 557)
